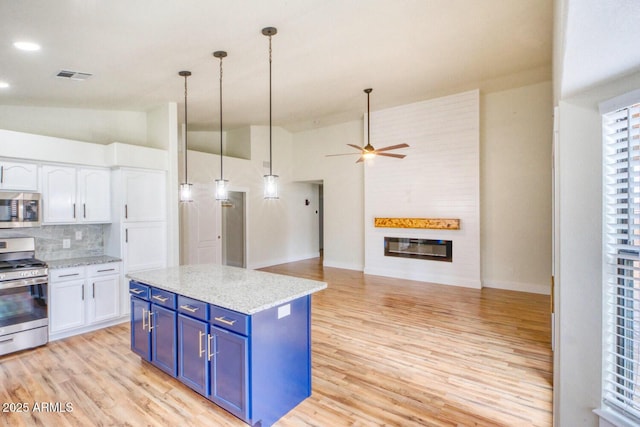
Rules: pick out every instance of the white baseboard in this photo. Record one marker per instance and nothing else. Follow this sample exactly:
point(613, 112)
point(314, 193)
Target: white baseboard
point(343, 265)
point(256, 266)
point(534, 288)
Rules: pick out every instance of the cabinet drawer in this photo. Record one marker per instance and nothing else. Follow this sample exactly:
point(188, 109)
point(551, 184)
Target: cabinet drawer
point(103, 269)
point(139, 290)
point(163, 298)
point(62, 274)
point(194, 308)
point(229, 319)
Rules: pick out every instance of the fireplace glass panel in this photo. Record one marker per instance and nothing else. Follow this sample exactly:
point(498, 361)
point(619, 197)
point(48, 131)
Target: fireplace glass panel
point(406, 247)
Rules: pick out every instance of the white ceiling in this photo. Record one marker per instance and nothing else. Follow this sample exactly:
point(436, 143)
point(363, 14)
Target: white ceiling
point(599, 43)
point(325, 53)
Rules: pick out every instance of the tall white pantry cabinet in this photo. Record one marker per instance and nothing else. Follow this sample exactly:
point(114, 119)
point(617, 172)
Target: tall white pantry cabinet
point(139, 230)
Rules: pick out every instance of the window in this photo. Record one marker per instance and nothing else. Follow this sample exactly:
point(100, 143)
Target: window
point(621, 156)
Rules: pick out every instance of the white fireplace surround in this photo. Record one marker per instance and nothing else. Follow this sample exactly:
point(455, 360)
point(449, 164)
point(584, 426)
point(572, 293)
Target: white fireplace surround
point(443, 161)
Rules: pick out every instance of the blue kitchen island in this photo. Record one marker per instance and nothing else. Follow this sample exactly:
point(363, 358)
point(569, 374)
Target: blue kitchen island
point(241, 338)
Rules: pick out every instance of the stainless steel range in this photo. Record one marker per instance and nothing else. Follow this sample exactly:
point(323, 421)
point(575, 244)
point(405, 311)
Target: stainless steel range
point(24, 320)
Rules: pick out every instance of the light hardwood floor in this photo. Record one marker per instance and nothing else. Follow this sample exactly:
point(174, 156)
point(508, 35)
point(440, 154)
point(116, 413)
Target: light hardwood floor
point(385, 352)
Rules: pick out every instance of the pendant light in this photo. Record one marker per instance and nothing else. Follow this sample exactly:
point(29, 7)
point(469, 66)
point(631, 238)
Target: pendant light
point(222, 185)
point(186, 189)
point(271, 180)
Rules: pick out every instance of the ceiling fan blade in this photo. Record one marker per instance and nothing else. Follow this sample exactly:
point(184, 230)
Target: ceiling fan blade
point(356, 147)
point(360, 160)
point(392, 147)
point(397, 156)
point(343, 154)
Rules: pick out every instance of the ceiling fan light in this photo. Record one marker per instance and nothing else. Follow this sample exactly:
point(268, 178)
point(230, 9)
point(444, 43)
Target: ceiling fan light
point(186, 192)
point(271, 187)
point(369, 155)
point(222, 189)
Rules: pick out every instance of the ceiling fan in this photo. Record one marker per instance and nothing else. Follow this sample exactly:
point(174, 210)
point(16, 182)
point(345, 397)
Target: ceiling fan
point(368, 151)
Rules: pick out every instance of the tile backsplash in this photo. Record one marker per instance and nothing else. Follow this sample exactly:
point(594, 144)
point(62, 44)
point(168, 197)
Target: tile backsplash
point(49, 240)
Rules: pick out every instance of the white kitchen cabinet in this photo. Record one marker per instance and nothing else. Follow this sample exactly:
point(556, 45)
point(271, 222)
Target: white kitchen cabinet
point(16, 176)
point(76, 195)
point(145, 246)
point(59, 194)
point(83, 298)
point(144, 195)
point(94, 195)
point(67, 299)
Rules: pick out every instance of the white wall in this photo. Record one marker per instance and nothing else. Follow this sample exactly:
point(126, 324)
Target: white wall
point(578, 260)
point(278, 231)
point(96, 126)
point(439, 178)
point(515, 157)
point(343, 188)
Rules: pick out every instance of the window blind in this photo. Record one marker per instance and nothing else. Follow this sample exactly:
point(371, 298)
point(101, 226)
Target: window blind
point(621, 156)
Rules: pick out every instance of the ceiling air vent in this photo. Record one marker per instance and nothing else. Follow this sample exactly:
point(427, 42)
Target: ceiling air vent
point(73, 75)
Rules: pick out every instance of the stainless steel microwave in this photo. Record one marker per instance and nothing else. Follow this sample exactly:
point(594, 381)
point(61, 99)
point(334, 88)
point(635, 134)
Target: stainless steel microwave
point(19, 210)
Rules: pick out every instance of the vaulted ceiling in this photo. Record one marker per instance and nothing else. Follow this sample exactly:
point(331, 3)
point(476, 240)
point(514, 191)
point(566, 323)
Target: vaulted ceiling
point(325, 53)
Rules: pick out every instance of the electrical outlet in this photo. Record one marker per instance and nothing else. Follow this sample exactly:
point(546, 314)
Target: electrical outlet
point(78, 235)
point(66, 243)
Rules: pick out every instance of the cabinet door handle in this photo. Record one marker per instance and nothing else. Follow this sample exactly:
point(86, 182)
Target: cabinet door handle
point(1, 174)
point(69, 275)
point(159, 298)
point(209, 354)
point(84, 210)
point(144, 313)
point(126, 212)
point(105, 270)
point(221, 319)
point(94, 290)
point(200, 349)
point(189, 309)
point(150, 313)
point(74, 211)
point(82, 292)
point(126, 235)
point(136, 291)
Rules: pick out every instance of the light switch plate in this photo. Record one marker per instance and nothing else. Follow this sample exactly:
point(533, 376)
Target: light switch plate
point(284, 311)
point(78, 235)
point(66, 243)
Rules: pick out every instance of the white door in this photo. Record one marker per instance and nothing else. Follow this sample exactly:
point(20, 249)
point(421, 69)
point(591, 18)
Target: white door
point(94, 195)
point(203, 227)
point(59, 194)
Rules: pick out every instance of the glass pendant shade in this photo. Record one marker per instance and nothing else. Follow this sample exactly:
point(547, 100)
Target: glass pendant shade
point(271, 186)
point(222, 189)
point(186, 192)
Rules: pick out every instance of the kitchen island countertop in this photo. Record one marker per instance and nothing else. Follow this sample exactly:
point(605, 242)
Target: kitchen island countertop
point(233, 288)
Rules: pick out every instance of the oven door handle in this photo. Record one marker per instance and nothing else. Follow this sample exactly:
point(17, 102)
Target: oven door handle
point(24, 282)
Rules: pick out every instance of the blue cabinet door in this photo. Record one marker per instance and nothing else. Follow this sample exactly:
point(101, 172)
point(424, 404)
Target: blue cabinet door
point(164, 343)
point(229, 372)
point(193, 346)
point(140, 336)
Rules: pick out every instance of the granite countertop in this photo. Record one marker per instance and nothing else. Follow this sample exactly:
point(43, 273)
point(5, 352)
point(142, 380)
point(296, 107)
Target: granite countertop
point(238, 289)
point(79, 262)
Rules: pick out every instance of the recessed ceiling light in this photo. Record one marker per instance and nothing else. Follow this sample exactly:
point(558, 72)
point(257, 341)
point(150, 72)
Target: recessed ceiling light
point(28, 46)
point(4, 85)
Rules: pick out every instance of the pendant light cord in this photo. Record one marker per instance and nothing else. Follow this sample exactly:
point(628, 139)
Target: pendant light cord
point(270, 105)
point(186, 130)
point(221, 174)
point(368, 121)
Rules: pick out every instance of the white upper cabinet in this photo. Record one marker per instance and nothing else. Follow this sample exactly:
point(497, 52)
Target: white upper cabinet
point(94, 195)
point(144, 195)
point(59, 194)
point(18, 176)
point(76, 195)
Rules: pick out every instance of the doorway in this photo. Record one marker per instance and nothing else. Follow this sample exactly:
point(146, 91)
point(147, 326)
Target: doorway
point(234, 230)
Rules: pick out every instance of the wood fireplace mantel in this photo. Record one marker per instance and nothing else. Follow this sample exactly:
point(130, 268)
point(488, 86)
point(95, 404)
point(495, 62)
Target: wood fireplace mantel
point(430, 223)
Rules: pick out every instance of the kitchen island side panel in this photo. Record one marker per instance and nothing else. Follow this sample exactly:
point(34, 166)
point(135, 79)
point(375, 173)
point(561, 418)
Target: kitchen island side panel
point(280, 359)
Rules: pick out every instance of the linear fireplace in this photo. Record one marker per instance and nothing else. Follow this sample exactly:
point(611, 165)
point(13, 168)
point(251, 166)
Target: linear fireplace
point(408, 247)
